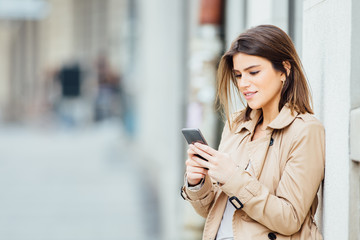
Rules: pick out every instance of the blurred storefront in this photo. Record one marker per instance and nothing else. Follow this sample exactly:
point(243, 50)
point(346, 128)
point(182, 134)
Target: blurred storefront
point(37, 43)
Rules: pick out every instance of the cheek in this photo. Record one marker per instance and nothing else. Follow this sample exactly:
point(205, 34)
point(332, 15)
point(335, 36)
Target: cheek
point(274, 81)
point(275, 89)
point(271, 87)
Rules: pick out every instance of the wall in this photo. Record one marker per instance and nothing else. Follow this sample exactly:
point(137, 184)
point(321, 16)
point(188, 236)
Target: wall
point(327, 59)
point(271, 12)
point(354, 219)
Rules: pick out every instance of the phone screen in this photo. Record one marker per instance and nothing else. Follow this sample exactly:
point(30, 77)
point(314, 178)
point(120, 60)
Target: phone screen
point(193, 135)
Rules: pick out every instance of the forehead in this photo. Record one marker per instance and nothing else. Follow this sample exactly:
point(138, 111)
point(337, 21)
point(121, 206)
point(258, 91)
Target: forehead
point(242, 61)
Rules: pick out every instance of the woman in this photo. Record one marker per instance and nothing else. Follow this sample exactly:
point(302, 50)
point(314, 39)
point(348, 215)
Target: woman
point(263, 180)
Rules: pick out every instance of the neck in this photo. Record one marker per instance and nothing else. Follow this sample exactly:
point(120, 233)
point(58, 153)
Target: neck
point(269, 114)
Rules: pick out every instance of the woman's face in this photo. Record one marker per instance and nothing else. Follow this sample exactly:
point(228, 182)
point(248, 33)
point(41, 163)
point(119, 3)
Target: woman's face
point(258, 81)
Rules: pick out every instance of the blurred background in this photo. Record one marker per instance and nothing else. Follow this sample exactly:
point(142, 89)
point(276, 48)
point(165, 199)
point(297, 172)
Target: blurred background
point(94, 93)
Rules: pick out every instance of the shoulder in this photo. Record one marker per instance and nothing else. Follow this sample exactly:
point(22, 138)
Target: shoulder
point(233, 123)
point(308, 120)
point(237, 116)
point(305, 137)
point(305, 125)
point(241, 119)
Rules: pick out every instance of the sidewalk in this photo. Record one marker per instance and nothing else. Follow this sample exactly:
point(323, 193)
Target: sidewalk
point(72, 185)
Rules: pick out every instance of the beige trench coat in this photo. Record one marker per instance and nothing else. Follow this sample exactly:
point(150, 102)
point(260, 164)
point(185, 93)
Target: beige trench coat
point(278, 194)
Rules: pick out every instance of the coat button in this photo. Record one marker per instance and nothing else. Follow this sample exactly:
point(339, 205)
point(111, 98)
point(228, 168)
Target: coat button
point(272, 236)
point(271, 142)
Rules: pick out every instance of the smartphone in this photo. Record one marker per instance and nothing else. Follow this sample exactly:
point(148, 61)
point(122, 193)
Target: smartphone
point(193, 135)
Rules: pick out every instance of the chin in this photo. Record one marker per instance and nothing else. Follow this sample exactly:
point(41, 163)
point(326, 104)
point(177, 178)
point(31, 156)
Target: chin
point(254, 106)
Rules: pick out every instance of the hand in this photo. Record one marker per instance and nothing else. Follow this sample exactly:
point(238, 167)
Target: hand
point(194, 171)
point(220, 165)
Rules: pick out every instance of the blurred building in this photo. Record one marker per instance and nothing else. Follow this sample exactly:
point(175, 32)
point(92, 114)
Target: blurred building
point(39, 37)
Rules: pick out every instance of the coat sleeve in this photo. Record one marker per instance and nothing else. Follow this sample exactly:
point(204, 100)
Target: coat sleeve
point(202, 199)
point(285, 211)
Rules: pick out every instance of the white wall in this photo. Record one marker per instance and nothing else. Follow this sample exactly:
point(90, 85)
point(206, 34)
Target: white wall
point(355, 106)
point(234, 20)
point(326, 58)
point(267, 12)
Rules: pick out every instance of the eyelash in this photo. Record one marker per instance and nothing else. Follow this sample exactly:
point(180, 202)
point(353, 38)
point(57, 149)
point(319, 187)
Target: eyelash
point(251, 73)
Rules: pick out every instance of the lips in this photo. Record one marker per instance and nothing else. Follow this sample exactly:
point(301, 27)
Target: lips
point(249, 95)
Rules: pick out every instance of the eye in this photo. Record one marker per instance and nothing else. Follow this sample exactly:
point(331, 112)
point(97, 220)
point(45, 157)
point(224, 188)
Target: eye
point(237, 76)
point(254, 72)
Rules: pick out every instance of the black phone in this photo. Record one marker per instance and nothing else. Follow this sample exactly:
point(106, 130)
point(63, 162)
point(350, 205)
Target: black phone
point(193, 135)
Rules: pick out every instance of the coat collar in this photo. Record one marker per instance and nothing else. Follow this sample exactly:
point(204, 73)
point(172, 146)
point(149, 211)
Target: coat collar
point(284, 119)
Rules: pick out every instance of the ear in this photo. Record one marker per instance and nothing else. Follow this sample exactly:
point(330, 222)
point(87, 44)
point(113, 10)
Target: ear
point(287, 66)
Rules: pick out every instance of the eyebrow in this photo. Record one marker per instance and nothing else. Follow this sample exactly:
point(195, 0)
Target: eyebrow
point(252, 66)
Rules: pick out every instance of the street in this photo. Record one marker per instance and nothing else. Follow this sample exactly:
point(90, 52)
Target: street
point(79, 184)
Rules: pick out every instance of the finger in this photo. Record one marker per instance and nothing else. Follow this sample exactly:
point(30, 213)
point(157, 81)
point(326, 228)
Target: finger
point(194, 176)
point(194, 166)
point(191, 169)
point(197, 158)
point(190, 152)
point(206, 149)
point(192, 162)
point(202, 163)
point(201, 152)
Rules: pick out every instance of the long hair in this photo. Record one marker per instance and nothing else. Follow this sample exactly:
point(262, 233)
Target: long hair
point(275, 45)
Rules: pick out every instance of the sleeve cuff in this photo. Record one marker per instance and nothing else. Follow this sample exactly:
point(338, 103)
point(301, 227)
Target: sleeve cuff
point(242, 185)
point(196, 187)
point(202, 192)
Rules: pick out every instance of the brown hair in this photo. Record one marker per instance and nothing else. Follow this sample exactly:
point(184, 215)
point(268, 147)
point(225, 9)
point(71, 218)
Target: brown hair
point(275, 45)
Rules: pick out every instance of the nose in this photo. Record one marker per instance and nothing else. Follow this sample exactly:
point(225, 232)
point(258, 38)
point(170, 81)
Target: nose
point(243, 83)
